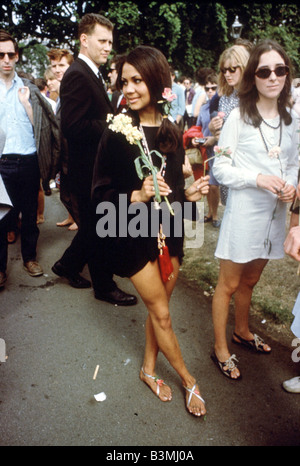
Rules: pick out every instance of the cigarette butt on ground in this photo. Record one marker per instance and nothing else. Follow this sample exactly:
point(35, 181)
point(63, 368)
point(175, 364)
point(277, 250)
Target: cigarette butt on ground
point(96, 372)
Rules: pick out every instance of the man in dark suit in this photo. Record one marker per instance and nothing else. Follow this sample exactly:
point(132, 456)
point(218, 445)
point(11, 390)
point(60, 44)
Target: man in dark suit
point(84, 108)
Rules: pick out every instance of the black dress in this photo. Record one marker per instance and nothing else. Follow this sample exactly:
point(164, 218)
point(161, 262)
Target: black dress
point(114, 180)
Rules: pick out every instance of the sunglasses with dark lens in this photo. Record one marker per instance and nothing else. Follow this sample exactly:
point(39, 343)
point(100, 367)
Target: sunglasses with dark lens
point(231, 69)
point(11, 55)
point(264, 73)
point(111, 70)
point(208, 88)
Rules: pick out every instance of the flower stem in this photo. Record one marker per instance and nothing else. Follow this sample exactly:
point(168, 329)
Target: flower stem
point(205, 162)
point(169, 205)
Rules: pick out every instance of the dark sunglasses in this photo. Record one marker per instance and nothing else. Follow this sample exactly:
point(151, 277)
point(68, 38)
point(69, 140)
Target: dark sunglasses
point(264, 73)
point(231, 69)
point(207, 88)
point(111, 69)
point(11, 55)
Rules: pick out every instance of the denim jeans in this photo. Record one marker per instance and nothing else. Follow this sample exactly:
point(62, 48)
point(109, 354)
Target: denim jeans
point(21, 177)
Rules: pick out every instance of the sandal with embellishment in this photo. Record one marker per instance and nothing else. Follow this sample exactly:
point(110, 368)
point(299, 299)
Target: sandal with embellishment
point(159, 382)
point(230, 364)
point(192, 391)
point(257, 344)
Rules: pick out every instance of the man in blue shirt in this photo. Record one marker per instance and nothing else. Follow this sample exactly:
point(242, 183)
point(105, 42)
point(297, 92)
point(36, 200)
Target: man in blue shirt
point(178, 104)
point(31, 152)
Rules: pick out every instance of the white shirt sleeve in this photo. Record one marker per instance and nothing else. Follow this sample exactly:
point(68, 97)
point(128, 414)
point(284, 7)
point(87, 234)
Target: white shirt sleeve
point(226, 170)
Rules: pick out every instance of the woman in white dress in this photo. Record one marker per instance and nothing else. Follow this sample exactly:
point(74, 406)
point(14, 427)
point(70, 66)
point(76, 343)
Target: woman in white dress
point(261, 173)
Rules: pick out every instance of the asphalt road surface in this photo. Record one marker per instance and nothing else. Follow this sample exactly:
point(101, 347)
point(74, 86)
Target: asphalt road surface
point(56, 336)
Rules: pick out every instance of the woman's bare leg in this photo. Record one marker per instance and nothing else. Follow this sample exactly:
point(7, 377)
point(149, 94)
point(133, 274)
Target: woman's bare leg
point(160, 334)
point(251, 275)
point(68, 221)
point(151, 347)
point(229, 278)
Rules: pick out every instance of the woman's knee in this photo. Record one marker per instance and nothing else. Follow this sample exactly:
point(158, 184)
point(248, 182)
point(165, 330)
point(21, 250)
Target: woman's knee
point(160, 317)
point(252, 273)
point(227, 286)
point(249, 282)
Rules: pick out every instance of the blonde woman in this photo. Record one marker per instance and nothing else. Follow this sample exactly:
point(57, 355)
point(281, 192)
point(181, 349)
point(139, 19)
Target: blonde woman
point(232, 64)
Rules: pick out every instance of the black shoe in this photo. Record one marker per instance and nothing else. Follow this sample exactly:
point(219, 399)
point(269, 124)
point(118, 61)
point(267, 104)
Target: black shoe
point(74, 278)
point(117, 297)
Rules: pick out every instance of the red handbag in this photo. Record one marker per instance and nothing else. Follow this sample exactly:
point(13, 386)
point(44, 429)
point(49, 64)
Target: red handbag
point(164, 260)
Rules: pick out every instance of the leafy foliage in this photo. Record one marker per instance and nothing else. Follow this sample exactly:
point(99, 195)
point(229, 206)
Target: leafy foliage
point(190, 34)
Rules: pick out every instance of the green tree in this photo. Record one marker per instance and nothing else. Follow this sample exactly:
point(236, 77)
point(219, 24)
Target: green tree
point(190, 34)
point(33, 59)
point(278, 21)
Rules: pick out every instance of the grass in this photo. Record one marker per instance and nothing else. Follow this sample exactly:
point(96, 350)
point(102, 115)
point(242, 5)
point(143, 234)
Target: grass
point(273, 297)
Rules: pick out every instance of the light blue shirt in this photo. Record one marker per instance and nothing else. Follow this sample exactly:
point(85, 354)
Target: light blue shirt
point(178, 104)
point(199, 91)
point(14, 120)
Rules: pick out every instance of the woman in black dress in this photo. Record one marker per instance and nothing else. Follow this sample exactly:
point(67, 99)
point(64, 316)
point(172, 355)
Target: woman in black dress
point(143, 77)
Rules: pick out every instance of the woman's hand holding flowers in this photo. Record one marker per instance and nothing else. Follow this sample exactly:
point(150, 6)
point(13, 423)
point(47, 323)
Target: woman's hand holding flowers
point(145, 194)
point(216, 123)
point(276, 185)
point(287, 194)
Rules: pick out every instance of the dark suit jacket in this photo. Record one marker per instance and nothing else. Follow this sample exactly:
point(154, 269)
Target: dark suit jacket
point(84, 108)
point(46, 133)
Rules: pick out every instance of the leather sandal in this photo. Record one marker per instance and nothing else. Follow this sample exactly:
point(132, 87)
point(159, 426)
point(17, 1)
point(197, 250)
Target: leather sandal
point(257, 344)
point(196, 393)
point(230, 364)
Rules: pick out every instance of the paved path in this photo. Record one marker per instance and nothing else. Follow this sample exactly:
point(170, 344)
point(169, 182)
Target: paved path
point(56, 336)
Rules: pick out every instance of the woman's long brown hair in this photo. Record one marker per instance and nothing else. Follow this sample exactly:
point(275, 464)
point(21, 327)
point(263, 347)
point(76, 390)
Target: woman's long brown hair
point(155, 71)
point(248, 93)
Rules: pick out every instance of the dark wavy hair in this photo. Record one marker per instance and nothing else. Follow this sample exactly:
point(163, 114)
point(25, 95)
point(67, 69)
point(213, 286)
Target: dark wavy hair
point(248, 93)
point(155, 71)
point(6, 36)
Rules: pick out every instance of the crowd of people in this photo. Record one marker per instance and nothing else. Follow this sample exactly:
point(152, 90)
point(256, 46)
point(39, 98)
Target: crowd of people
point(122, 145)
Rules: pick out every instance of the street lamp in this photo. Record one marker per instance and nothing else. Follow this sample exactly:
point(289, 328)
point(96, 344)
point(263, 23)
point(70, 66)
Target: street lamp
point(236, 28)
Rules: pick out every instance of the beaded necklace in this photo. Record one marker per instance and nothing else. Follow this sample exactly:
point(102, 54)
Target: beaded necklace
point(273, 127)
point(144, 143)
point(147, 151)
point(270, 126)
point(273, 152)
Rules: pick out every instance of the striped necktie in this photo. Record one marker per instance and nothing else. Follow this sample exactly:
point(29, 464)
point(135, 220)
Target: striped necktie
point(101, 77)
